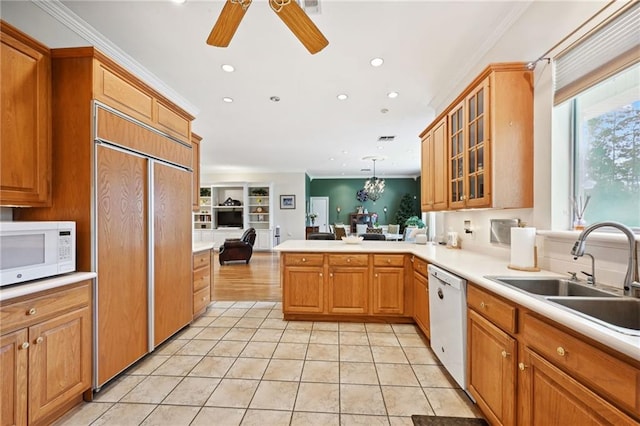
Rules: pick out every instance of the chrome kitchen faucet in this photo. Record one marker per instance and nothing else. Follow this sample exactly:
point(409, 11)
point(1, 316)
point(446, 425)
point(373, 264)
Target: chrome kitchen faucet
point(631, 280)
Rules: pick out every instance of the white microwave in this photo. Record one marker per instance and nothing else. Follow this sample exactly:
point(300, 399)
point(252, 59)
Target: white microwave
point(34, 250)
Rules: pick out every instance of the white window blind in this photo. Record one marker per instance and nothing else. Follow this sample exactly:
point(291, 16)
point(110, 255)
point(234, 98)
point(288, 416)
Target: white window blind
point(608, 49)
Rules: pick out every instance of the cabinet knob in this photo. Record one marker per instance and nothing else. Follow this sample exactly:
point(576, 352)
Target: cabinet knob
point(39, 340)
point(31, 311)
point(483, 305)
point(375, 275)
point(304, 259)
point(522, 366)
point(348, 260)
point(505, 354)
point(25, 345)
point(331, 274)
point(320, 273)
point(561, 351)
point(204, 298)
point(388, 260)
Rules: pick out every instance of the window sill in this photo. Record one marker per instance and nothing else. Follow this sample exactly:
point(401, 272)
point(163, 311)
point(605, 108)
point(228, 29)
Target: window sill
point(613, 237)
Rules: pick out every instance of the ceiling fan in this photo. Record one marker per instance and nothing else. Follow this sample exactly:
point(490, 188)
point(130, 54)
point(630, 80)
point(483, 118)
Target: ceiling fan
point(288, 10)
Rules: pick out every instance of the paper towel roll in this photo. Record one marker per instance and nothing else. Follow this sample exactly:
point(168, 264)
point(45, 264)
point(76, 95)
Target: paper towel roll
point(523, 243)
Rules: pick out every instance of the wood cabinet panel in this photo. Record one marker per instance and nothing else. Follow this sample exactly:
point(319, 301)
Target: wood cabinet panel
point(421, 302)
point(120, 94)
point(348, 290)
point(388, 260)
point(59, 362)
point(498, 311)
point(172, 123)
point(24, 313)
point(553, 397)
point(201, 278)
point(303, 289)
point(173, 304)
point(388, 291)
point(420, 266)
point(597, 369)
point(434, 168)
point(195, 166)
point(25, 120)
point(202, 259)
point(491, 369)
point(201, 299)
point(14, 359)
point(348, 259)
point(122, 260)
point(302, 259)
point(202, 281)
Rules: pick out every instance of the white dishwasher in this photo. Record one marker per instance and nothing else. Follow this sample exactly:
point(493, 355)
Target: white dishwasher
point(448, 317)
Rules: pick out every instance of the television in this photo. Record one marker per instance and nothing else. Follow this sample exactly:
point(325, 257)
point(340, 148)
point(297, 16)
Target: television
point(231, 218)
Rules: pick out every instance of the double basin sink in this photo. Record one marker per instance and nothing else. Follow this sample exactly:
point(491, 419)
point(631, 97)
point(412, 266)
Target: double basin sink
point(616, 312)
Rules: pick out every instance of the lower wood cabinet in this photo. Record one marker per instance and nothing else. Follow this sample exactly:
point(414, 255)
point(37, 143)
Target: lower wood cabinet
point(45, 354)
point(492, 369)
point(344, 284)
point(202, 281)
point(421, 302)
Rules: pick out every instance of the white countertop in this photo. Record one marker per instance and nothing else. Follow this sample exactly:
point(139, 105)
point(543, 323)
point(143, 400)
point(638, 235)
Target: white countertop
point(474, 267)
point(22, 289)
point(202, 245)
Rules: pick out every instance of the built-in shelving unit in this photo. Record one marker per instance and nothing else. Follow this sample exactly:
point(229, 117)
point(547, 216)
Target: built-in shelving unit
point(227, 209)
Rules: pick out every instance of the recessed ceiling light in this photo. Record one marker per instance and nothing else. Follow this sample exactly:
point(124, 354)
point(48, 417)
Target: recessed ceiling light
point(342, 97)
point(384, 110)
point(332, 159)
point(380, 147)
point(376, 62)
point(274, 99)
point(228, 68)
point(345, 151)
point(227, 99)
point(179, 1)
point(392, 95)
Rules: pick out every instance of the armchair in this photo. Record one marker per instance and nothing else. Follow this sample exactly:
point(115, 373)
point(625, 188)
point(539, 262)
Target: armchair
point(238, 248)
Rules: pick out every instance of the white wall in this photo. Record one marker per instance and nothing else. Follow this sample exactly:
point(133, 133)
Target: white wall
point(291, 221)
point(538, 29)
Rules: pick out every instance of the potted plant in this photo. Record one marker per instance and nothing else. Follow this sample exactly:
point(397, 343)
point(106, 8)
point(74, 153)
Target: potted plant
point(414, 221)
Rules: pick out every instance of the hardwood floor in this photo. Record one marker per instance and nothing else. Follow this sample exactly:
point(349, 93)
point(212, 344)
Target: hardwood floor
point(237, 281)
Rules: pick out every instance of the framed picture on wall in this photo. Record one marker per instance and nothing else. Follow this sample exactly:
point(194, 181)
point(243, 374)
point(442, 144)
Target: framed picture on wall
point(287, 201)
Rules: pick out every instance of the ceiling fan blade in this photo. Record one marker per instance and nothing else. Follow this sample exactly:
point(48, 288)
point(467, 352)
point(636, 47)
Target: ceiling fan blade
point(227, 23)
point(300, 24)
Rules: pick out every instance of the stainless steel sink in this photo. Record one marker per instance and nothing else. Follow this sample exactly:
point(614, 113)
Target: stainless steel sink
point(551, 286)
point(621, 314)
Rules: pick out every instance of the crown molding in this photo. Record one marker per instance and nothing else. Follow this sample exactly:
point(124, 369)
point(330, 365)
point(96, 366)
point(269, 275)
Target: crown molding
point(66, 17)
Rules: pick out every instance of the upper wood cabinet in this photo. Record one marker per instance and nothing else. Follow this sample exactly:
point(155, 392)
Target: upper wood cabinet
point(489, 143)
point(195, 166)
point(434, 168)
point(25, 120)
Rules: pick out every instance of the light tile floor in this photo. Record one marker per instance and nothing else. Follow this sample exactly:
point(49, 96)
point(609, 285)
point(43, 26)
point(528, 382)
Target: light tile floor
point(242, 364)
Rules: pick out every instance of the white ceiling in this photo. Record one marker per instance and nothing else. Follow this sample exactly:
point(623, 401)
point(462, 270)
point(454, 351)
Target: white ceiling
point(427, 46)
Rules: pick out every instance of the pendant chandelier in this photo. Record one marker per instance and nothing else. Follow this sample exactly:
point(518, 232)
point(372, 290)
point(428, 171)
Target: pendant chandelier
point(374, 186)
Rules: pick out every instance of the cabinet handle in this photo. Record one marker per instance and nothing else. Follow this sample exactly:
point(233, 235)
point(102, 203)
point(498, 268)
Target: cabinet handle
point(39, 340)
point(483, 305)
point(522, 366)
point(31, 311)
point(25, 345)
point(505, 354)
point(561, 351)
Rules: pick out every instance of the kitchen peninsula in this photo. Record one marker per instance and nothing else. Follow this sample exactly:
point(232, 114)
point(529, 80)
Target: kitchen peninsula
point(530, 349)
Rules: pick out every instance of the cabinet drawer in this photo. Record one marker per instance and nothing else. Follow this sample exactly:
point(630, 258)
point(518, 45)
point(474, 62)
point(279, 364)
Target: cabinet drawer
point(597, 369)
point(303, 259)
point(420, 266)
point(388, 260)
point(201, 299)
point(348, 259)
point(202, 259)
point(26, 312)
point(201, 278)
point(496, 310)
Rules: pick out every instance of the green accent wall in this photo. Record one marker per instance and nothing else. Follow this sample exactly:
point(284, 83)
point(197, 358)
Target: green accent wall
point(342, 192)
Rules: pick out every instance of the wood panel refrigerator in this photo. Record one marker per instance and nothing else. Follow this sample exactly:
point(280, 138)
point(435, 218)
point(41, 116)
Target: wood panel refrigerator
point(142, 213)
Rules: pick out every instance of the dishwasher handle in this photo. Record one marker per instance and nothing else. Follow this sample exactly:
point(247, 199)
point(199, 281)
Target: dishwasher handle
point(440, 294)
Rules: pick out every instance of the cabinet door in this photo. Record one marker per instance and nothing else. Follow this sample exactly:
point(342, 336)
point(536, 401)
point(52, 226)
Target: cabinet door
point(303, 289)
point(348, 290)
point(426, 182)
point(492, 369)
point(439, 165)
point(550, 396)
point(421, 302)
point(388, 291)
point(59, 362)
point(122, 261)
point(172, 289)
point(25, 121)
point(455, 157)
point(14, 358)
point(477, 153)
